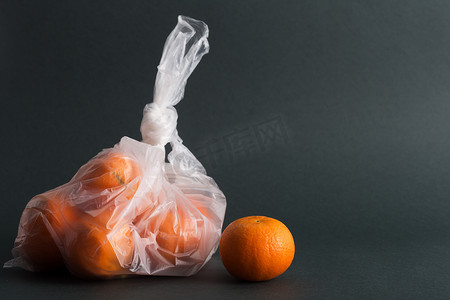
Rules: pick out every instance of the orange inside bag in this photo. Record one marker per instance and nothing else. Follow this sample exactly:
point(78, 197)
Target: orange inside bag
point(92, 253)
point(115, 177)
point(83, 236)
point(43, 223)
point(108, 171)
point(175, 232)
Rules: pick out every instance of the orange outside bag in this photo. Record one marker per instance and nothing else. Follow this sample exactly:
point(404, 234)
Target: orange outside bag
point(127, 211)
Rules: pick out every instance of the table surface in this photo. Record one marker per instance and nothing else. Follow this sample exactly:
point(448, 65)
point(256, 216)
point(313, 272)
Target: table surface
point(331, 271)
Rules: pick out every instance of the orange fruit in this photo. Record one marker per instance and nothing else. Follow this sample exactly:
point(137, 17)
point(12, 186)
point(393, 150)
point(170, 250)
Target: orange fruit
point(109, 170)
point(92, 254)
point(107, 183)
point(42, 227)
point(176, 235)
point(256, 248)
point(175, 232)
point(76, 218)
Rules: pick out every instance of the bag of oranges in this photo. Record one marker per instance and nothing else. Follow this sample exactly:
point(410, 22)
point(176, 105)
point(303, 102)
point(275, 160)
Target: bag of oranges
point(127, 211)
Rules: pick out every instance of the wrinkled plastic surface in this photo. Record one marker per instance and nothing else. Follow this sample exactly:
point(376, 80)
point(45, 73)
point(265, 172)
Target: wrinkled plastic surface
point(127, 211)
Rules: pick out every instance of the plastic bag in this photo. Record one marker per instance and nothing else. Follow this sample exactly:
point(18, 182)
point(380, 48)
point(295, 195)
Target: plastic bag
point(127, 211)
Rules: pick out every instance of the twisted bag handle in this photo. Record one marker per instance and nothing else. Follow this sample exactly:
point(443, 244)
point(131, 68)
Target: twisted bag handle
point(184, 48)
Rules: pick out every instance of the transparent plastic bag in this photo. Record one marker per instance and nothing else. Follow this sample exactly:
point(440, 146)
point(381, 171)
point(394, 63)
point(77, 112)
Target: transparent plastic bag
point(127, 211)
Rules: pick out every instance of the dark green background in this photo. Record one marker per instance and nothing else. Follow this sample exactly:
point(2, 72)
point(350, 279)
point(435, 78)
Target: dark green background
point(359, 173)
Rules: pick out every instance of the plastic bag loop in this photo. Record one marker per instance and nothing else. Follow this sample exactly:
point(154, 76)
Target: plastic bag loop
point(183, 50)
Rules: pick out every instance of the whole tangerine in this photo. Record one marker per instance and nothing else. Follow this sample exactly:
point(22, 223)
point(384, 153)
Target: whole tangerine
point(93, 255)
point(42, 228)
point(107, 183)
point(109, 170)
point(256, 248)
point(177, 234)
